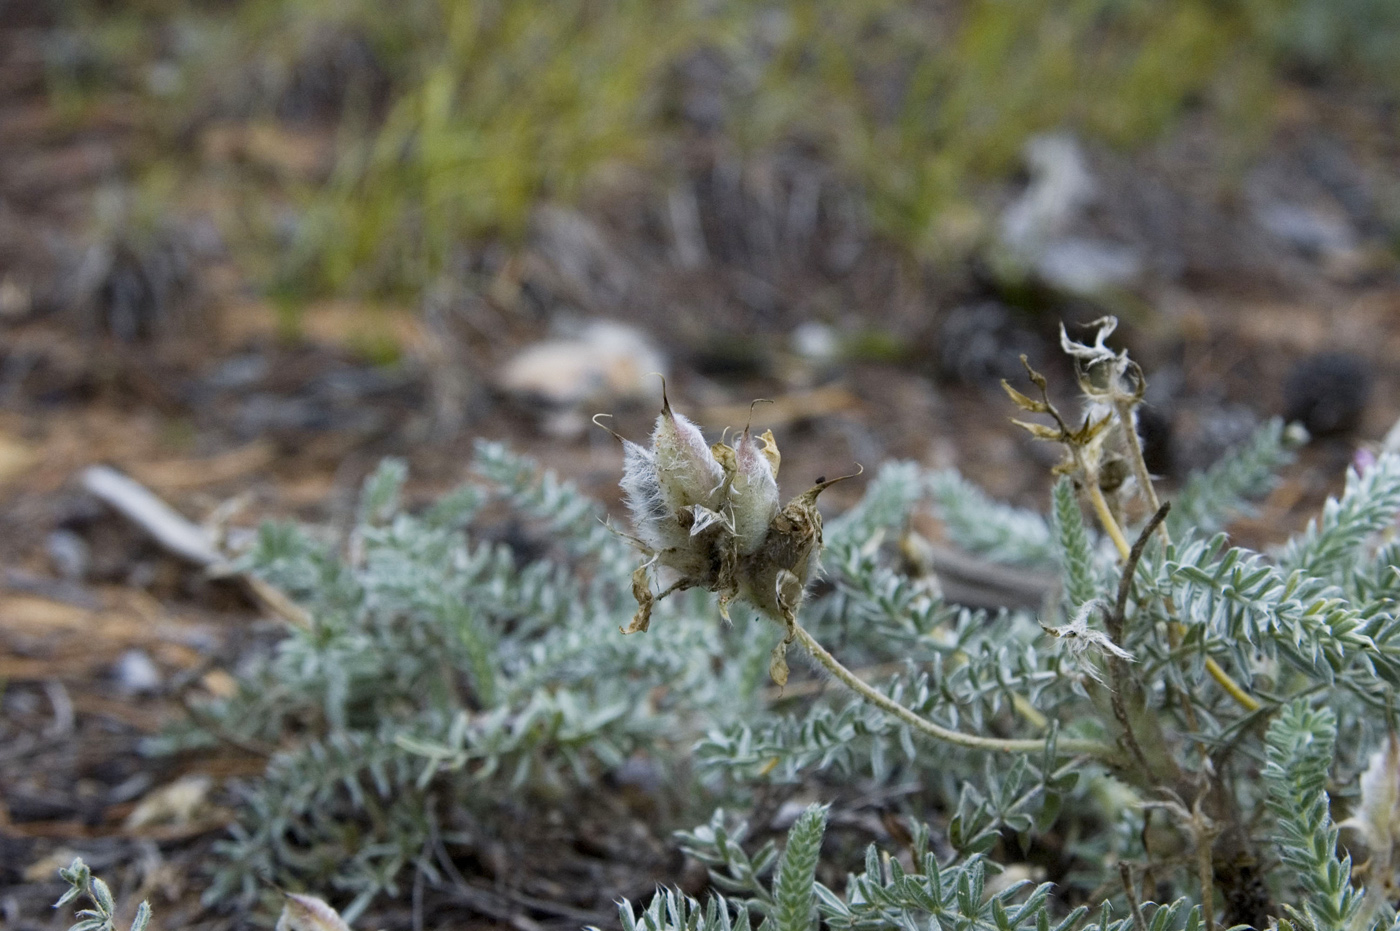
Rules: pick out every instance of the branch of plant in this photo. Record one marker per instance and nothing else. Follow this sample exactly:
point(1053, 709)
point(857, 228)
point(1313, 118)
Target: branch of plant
point(1124, 408)
point(1065, 746)
point(1117, 619)
point(1107, 520)
point(1019, 703)
point(1117, 666)
point(1217, 672)
point(1125, 874)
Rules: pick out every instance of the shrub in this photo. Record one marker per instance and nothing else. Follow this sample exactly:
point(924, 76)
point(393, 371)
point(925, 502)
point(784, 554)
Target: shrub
point(1166, 729)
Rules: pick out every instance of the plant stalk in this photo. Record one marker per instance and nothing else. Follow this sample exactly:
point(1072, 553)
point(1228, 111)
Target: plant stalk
point(1066, 746)
point(1115, 533)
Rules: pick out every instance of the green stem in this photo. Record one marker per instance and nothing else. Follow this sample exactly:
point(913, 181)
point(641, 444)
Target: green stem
point(1066, 746)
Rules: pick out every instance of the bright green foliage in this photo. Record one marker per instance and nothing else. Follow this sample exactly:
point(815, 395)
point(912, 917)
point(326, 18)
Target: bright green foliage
point(463, 118)
point(508, 105)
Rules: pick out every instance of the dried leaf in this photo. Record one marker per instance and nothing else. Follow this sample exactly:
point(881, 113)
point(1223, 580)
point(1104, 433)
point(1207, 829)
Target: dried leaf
point(1040, 431)
point(777, 664)
point(308, 913)
point(1377, 816)
point(641, 590)
point(1023, 402)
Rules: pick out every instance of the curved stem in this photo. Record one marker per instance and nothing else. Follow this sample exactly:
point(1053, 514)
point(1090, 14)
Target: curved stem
point(1231, 687)
point(1067, 746)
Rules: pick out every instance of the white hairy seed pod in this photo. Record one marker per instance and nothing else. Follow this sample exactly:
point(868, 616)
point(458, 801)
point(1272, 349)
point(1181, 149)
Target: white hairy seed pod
point(709, 516)
point(686, 468)
point(753, 494)
point(652, 518)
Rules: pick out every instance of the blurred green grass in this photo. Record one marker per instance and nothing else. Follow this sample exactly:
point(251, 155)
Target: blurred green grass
point(457, 118)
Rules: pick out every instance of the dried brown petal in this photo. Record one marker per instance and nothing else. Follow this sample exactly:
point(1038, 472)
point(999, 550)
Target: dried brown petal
point(641, 590)
point(777, 664)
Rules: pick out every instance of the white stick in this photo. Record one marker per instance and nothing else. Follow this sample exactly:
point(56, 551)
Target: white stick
point(138, 504)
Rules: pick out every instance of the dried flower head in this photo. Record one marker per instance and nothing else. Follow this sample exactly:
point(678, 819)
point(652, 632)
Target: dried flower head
point(1104, 376)
point(711, 516)
point(1084, 445)
point(1101, 452)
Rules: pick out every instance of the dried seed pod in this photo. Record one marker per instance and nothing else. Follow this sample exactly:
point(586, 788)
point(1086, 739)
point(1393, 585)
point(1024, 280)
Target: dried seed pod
point(792, 545)
point(641, 487)
point(710, 515)
point(753, 494)
point(687, 469)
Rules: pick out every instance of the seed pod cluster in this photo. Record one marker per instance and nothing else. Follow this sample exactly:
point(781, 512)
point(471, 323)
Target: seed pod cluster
point(712, 516)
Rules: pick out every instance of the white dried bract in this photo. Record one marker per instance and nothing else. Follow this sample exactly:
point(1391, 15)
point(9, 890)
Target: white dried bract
point(1105, 376)
point(711, 515)
point(1377, 816)
point(1079, 638)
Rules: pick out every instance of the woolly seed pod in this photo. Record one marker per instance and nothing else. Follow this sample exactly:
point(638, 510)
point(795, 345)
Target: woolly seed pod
point(685, 466)
point(753, 493)
point(710, 516)
point(652, 517)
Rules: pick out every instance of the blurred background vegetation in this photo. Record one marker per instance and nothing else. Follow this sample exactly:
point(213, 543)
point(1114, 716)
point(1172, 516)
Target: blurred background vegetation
point(390, 141)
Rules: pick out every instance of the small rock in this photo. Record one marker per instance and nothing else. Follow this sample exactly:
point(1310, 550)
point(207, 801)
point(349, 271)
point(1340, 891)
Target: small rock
point(816, 342)
point(16, 299)
point(1085, 266)
point(1060, 188)
point(606, 363)
point(240, 373)
point(137, 673)
point(69, 554)
point(1327, 393)
point(1312, 232)
point(178, 803)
